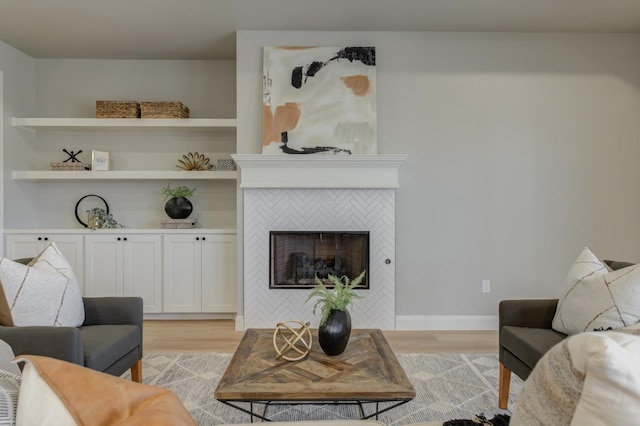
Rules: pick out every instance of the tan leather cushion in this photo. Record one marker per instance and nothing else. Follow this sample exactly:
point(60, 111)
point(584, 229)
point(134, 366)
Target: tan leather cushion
point(93, 398)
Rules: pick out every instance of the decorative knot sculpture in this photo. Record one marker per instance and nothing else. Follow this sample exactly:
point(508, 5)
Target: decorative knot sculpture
point(287, 339)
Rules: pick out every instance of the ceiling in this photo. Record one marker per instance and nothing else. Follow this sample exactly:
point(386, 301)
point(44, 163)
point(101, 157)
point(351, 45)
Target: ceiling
point(205, 29)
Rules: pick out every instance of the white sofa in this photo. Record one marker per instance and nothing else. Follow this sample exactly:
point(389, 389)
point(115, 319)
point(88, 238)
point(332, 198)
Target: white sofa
point(588, 379)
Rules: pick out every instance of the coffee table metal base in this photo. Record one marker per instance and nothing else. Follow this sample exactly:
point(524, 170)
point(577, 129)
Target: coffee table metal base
point(363, 416)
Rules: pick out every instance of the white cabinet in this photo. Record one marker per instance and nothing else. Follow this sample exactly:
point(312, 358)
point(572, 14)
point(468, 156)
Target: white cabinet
point(200, 273)
point(174, 271)
point(219, 273)
point(125, 265)
point(30, 244)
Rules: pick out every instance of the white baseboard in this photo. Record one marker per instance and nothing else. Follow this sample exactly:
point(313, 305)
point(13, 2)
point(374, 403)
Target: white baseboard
point(446, 322)
point(239, 323)
point(186, 316)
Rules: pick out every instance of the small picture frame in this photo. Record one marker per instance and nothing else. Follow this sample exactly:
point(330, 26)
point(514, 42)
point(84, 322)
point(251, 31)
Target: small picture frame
point(100, 160)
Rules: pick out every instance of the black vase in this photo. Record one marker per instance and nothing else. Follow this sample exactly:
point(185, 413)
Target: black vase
point(178, 208)
point(333, 336)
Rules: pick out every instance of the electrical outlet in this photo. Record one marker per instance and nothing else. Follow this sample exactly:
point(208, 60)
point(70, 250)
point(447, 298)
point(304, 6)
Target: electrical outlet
point(486, 286)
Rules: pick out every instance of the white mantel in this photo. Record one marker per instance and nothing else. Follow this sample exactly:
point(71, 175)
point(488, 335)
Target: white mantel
point(319, 171)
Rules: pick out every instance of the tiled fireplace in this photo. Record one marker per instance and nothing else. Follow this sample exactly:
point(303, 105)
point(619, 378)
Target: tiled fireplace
point(343, 194)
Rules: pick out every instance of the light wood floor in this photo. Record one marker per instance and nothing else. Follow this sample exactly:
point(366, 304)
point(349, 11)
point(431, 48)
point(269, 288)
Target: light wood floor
point(220, 336)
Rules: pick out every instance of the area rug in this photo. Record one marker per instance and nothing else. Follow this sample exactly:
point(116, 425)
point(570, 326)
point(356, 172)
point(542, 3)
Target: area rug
point(448, 386)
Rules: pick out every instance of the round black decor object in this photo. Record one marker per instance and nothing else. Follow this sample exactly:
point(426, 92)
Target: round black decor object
point(106, 207)
point(333, 335)
point(178, 208)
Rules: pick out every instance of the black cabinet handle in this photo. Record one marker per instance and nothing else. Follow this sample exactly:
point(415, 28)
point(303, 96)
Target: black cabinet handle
point(119, 238)
point(203, 238)
point(197, 238)
point(125, 238)
point(39, 238)
point(46, 238)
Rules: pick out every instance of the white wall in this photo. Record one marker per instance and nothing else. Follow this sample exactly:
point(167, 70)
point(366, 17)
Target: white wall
point(522, 150)
point(70, 87)
point(18, 99)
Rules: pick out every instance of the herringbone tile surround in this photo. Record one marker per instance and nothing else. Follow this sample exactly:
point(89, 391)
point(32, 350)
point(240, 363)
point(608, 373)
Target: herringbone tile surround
point(267, 210)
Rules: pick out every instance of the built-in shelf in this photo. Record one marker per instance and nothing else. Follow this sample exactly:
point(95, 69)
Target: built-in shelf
point(38, 175)
point(104, 124)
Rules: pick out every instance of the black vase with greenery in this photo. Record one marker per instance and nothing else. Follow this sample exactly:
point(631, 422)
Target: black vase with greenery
point(177, 204)
point(335, 324)
point(334, 334)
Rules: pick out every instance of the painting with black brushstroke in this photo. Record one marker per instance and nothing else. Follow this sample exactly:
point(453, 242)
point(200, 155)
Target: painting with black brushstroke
point(319, 100)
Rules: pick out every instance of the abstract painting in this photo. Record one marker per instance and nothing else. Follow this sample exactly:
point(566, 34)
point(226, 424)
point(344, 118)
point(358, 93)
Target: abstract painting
point(319, 100)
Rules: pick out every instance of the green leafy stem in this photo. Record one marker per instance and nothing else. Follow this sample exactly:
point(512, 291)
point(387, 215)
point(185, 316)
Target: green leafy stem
point(337, 298)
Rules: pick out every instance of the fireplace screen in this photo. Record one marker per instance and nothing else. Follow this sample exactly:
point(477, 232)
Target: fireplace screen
point(297, 257)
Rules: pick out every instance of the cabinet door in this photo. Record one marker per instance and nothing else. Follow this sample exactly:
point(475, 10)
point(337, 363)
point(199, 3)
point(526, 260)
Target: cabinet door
point(30, 245)
point(219, 273)
point(142, 257)
point(103, 266)
point(72, 248)
point(182, 273)
point(19, 246)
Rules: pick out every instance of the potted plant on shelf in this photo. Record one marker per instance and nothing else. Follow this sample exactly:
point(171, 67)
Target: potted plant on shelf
point(100, 218)
point(335, 322)
point(177, 204)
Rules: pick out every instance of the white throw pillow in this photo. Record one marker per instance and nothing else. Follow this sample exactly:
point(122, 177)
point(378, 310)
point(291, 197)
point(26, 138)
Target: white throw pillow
point(45, 292)
point(611, 391)
point(596, 299)
point(38, 403)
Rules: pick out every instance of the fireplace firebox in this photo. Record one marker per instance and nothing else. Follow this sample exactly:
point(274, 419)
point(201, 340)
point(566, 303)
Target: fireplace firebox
point(298, 257)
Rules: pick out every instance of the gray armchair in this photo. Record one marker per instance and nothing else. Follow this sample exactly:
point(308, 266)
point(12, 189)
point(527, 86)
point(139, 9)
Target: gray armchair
point(525, 335)
point(109, 340)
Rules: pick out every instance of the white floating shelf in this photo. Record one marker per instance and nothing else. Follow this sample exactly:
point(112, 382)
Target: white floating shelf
point(122, 175)
point(85, 124)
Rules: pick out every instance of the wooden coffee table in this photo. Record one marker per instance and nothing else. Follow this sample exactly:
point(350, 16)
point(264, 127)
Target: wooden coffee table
point(366, 372)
